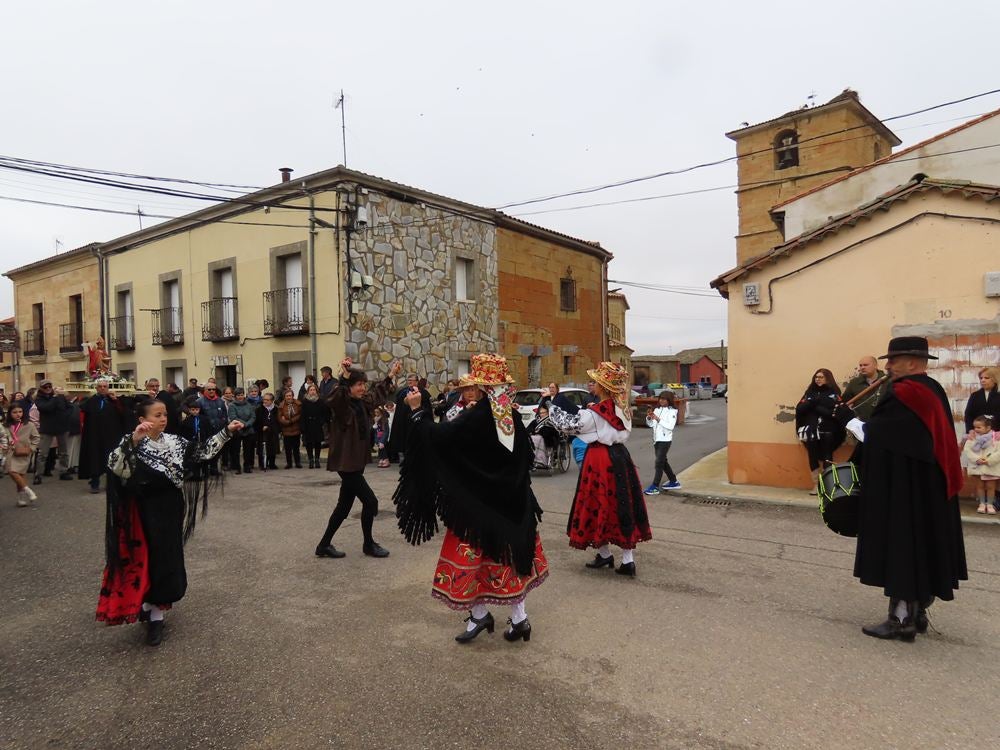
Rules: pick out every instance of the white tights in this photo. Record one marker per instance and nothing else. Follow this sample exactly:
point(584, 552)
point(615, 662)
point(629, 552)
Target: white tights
point(155, 613)
point(479, 611)
point(627, 554)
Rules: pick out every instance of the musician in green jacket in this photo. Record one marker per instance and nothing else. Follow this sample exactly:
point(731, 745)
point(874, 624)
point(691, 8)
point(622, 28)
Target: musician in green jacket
point(868, 373)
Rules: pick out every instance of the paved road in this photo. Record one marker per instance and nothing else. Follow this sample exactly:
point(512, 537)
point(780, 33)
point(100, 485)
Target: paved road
point(741, 631)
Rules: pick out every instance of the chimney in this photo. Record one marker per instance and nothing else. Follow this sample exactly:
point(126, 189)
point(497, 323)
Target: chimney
point(286, 174)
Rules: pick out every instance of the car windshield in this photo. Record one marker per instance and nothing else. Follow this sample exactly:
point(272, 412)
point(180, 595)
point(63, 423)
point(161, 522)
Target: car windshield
point(527, 398)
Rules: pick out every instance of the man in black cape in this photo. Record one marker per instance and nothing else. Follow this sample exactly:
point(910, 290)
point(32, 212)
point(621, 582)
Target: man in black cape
point(105, 421)
point(909, 531)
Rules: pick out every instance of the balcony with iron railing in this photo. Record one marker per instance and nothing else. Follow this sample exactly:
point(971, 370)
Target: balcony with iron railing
point(286, 312)
point(168, 326)
point(121, 333)
point(34, 342)
point(220, 319)
point(71, 338)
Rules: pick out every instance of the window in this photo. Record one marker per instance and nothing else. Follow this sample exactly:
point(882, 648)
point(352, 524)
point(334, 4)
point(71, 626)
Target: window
point(219, 315)
point(567, 365)
point(786, 149)
point(877, 151)
point(464, 280)
point(39, 377)
point(122, 333)
point(567, 295)
point(462, 367)
point(168, 328)
point(534, 371)
point(286, 305)
point(173, 375)
point(128, 375)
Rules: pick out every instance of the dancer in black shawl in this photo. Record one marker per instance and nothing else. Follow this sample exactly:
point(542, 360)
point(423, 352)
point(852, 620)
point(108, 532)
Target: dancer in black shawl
point(910, 532)
point(473, 472)
point(151, 513)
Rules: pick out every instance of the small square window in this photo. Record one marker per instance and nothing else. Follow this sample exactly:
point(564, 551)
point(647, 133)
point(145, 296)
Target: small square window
point(567, 365)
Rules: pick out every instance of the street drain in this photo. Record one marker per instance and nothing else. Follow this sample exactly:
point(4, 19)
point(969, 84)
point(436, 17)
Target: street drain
point(707, 501)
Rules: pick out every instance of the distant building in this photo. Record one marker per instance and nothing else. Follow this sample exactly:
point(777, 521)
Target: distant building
point(701, 365)
point(618, 350)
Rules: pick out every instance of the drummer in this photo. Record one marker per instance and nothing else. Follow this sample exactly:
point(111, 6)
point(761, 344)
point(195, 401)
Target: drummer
point(909, 530)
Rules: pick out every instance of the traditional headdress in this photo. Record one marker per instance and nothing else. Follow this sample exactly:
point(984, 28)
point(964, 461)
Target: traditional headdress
point(613, 378)
point(490, 372)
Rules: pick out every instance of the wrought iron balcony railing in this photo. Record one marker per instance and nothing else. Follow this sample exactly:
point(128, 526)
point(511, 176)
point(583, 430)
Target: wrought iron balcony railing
point(220, 319)
point(168, 326)
point(71, 338)
point(121, 333)
point(286, 312)
point(34, 342)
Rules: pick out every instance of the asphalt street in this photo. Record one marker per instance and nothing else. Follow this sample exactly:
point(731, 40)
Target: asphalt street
point(742, 630)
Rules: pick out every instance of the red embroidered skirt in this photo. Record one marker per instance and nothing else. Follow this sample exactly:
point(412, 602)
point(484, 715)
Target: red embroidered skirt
point(595, 518)
point(464, 576)
point(123, 590)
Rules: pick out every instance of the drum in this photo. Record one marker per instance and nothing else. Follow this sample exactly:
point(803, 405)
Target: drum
point(839, 494)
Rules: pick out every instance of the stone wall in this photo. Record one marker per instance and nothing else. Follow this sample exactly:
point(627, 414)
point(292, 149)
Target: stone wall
point(410, 313)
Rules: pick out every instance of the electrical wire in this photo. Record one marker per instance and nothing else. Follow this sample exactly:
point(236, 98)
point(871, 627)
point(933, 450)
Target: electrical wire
point(717, 162)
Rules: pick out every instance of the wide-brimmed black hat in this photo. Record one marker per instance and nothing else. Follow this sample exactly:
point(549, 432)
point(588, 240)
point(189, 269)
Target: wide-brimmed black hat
point(914, 346)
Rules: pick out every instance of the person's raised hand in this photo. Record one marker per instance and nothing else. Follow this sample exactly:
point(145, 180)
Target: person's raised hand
point(141, 430)
point(546, 393)
point(413, 399)
point(395, 368)
point(345, 365)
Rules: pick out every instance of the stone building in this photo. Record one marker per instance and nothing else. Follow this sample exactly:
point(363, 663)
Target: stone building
point(790, 154)
point(57, 310)
point(302, 273)
point(618, 350)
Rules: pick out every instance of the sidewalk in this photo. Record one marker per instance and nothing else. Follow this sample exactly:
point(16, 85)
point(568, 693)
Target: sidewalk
point(708, 479)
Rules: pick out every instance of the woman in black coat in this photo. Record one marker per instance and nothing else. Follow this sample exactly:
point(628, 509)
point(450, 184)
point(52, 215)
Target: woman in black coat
point(985, 401)
point(315, 414)
point(814, 422)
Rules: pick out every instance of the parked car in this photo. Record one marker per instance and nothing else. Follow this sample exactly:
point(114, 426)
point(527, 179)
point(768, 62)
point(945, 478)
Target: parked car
point(720, 390)
point(527, 400)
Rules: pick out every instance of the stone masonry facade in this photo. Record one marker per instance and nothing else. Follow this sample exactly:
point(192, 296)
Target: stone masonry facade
point(411, 312)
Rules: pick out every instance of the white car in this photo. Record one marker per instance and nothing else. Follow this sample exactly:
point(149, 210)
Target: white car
point(527, 400)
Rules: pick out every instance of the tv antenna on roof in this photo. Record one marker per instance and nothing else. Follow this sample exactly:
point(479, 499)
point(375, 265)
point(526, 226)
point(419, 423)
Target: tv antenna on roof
point(342, 106)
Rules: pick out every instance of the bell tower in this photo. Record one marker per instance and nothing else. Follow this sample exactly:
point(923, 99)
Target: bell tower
point(793, 153)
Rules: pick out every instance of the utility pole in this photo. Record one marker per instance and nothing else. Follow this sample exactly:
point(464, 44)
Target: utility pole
point(722, 356)
point(342, 106)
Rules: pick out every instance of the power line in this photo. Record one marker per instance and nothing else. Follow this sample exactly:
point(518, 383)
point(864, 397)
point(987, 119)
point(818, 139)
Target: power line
point(751, 184)
point(717, 162)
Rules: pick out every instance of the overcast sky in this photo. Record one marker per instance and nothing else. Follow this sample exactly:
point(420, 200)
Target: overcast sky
point(489, 103)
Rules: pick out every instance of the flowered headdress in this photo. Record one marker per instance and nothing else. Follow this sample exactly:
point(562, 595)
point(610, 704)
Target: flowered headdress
point(613, 378)
point(490, 372)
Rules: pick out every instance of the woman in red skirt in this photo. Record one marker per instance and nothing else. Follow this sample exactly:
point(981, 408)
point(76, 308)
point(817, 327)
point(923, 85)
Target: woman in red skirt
point(473, 472)
point(608, 507)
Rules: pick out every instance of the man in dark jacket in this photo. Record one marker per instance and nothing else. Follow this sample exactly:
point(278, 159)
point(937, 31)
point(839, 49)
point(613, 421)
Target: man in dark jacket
point(401, 422)
point(909, 530)
point(326, 382)
point(54, 414)
point(868, 373)
point(105, 422)
point(213, 411)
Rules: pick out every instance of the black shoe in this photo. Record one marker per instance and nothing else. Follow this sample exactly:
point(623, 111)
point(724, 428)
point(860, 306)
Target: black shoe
point(237, 471)
point(298, 466)
point(37, 480)
point(518, 631)
point(46, 473)
point(154, 635)
point(143, 615)
point(330, 551)
point(272, 467)
point(600, 561)
point(486, 624)
point(626, 569)
point(66, 475)
point(248, 470)
point(375, 550)
point(893, 628)
point(922, 621)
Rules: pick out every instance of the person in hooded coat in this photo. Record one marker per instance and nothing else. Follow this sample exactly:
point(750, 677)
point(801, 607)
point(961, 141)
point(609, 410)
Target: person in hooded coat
point(473, 471)
point(909, 530)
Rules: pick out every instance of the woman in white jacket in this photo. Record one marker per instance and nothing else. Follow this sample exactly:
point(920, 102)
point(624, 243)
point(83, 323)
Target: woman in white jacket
point(662, 420)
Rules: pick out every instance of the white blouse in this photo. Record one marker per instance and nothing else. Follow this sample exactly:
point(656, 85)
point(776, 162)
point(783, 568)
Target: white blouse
point(590, 426)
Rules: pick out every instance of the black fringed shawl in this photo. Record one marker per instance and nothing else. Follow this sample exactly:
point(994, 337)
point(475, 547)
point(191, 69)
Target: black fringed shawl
point(122, 493)
point(460, 472)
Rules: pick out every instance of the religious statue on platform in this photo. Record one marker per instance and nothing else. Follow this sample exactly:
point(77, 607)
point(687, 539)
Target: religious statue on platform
point(98, 359)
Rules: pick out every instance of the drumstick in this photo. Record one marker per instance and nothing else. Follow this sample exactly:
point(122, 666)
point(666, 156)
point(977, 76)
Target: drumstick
point(868, 390)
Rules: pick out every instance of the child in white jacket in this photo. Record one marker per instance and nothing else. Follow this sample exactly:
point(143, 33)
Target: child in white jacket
point(662, 420)
point(982, 454)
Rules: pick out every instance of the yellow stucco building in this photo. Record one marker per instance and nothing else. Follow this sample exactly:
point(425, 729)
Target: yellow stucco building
point(57, 306)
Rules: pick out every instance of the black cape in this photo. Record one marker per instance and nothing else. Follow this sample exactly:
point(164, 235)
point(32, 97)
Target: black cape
point(910, 532)
point(103, 429)
point(401, 422)
point(460, 472)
